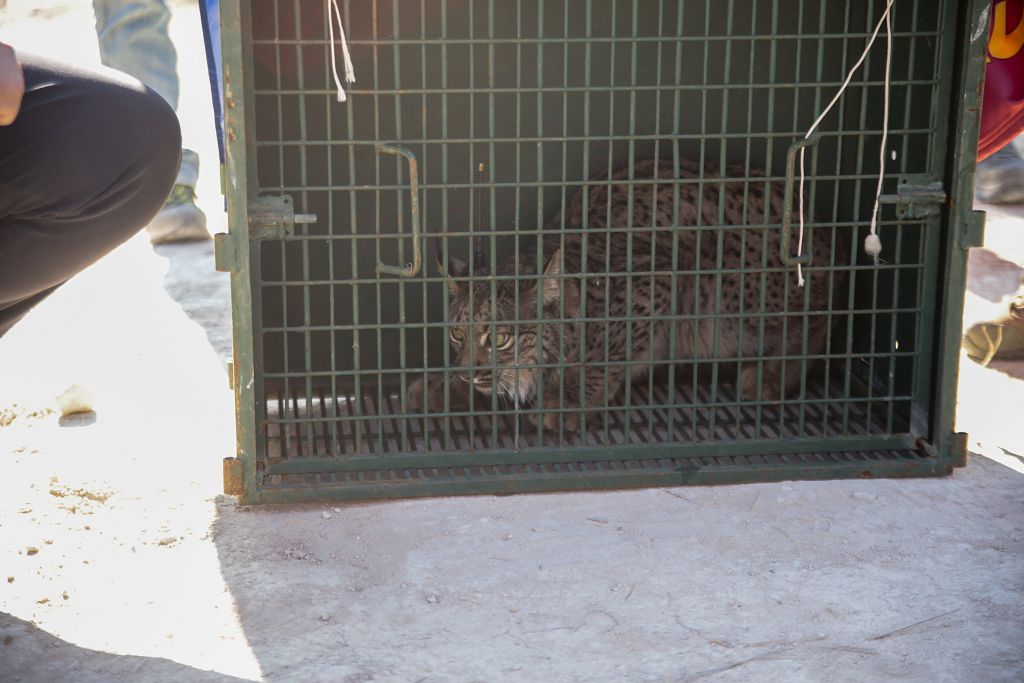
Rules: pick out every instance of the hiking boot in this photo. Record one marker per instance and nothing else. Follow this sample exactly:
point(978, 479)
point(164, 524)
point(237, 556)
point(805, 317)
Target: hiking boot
point(999, 179)
point(180, 220)
point(999, 339)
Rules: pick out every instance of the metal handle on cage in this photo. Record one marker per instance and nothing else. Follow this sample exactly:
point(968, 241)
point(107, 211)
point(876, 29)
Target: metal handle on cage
point(414, 192)
point(785, 247)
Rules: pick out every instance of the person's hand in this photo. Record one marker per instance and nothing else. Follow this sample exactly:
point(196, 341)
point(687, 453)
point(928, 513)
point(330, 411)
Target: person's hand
point(12, 85)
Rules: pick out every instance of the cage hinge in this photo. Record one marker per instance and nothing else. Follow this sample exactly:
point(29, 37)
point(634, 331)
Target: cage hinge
point(917, 196)
point(225, 256)
point(958, 449)
point(957, 453)
point(274, 218)
point(233, 485)
point(972, 229)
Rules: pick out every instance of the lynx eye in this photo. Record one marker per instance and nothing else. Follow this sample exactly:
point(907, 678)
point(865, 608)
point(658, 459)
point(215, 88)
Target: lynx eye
point(455, 334)
point(504, 341)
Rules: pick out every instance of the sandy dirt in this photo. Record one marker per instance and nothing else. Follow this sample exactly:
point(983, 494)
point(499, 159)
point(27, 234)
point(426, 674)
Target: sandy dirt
point(120, 561)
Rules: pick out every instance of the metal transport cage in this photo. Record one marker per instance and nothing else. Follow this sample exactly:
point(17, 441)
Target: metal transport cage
point(552, 244)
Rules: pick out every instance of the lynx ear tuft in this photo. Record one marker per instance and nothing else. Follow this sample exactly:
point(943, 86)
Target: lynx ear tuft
point(456, 268)
point(552, 282)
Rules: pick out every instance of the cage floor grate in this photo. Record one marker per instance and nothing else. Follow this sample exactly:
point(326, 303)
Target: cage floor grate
point(319, 424)
point(609, 473)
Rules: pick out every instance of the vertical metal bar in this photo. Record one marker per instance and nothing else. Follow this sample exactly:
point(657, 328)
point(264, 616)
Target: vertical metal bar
point(745, 230)
point(827, 425)
point(492, 223)
point(933, 250)
point(356, 409)
point(540, 213)
point(786, 282)
point(585, 222)
point(285, 428)
point(723, 190)
point(858, 187)
point(606, 405)
point(811, 272)
point(445, 221)
point(516, 211)
point(366, 425)
point(875, 277)
point(893, 342)
point(923, 232)
point(240, 168)
point(561, 230)
point(402, 314)
point(334, 449)
point(304, 181)
point(699, 222)
point(769, 153)
point(425, 221)
point(676, 228)
point(629, 314)
point(353, 248)
point(670, 318)
point(472, 282)
point(971, 38)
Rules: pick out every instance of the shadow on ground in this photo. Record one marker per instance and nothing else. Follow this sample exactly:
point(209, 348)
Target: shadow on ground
point(28, 653)
point(203, 294)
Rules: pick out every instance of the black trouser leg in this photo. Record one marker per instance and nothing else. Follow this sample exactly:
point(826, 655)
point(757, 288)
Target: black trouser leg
point(89, 161)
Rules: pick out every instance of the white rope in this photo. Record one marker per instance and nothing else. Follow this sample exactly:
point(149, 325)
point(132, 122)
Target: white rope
point(872, 244)
point(350, 74)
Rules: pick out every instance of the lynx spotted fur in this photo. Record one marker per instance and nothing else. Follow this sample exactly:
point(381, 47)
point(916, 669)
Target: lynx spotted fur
point(623, 307)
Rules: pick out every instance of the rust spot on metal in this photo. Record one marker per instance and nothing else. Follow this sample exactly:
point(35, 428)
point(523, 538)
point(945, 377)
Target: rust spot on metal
point(233, 477)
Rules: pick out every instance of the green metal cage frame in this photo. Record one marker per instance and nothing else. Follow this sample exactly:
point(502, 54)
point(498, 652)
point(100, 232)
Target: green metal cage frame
point(927, 449)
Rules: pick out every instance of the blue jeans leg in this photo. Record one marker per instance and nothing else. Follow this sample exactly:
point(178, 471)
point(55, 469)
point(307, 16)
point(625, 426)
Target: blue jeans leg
point(133, 38)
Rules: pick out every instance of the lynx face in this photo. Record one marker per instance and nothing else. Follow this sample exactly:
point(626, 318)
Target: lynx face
point(499, 343)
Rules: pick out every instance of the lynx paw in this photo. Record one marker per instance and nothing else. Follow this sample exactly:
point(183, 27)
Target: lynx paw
point(771, 390)
point(427, 395)
point(570, 421)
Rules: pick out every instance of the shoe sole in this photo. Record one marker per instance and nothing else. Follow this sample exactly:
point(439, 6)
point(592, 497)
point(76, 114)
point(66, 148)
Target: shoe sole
point(977, 357)
point(178, 224)
point(183, 235)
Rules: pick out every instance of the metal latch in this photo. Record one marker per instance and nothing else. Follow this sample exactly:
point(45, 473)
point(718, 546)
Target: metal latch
point(225, 257)
point(916, 196)
point(274, 218)
point(270, 218)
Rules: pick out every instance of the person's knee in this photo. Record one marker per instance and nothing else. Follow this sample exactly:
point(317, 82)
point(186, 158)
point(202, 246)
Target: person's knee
point(97, 148)
point(159, 136)
point(153, 150)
